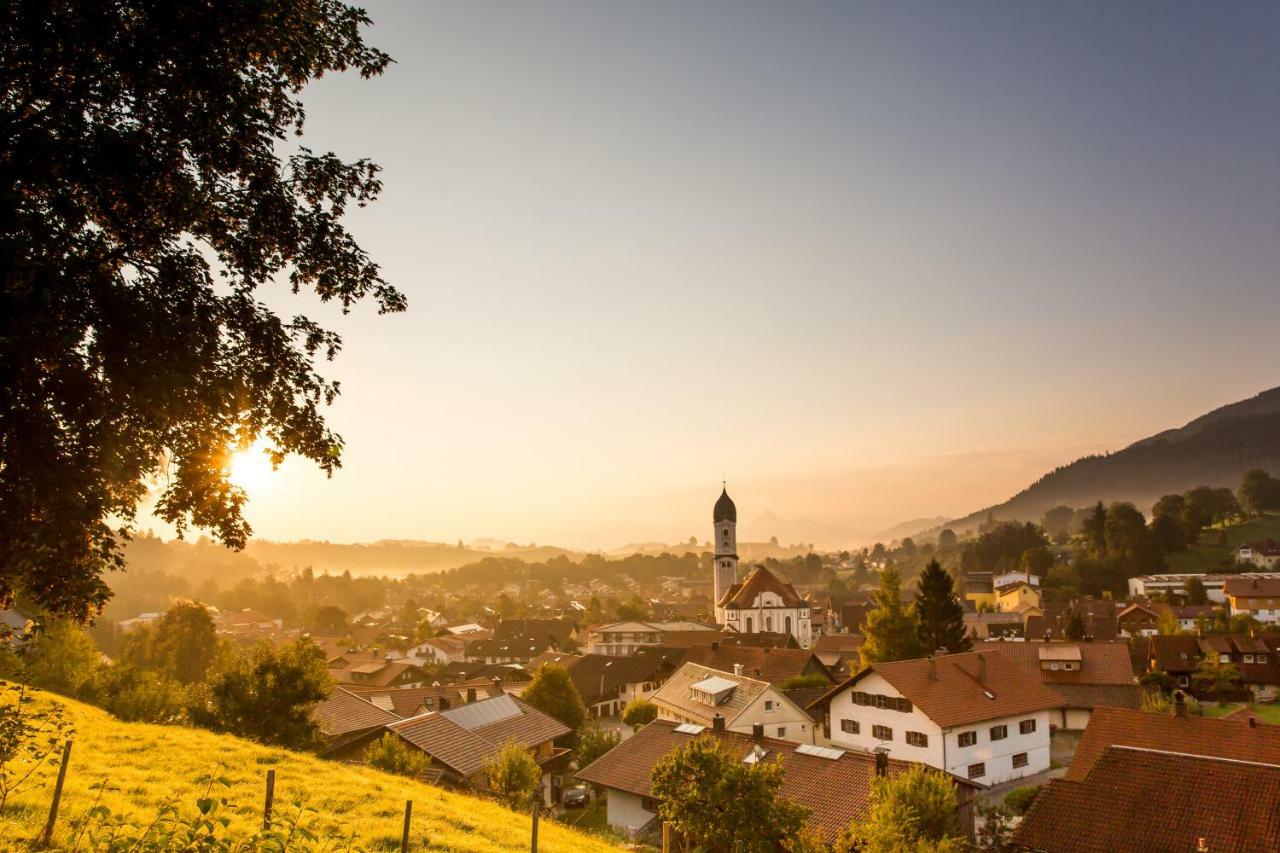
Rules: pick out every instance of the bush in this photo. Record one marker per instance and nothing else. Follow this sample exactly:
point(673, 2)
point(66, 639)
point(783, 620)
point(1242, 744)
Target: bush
point(513, 775)
point(391, 754)
point(639, 713)
point(1020, 799)
point(136, 695)
point(799, 682)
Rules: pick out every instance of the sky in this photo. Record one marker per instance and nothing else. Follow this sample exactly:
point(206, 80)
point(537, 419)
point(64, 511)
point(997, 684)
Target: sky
point(865, 261)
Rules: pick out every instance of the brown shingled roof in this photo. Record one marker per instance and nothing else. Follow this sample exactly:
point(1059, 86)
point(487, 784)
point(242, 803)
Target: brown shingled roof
point(834, 790)
point(344, 713)
point(1144, 801)
point(771, 665)
point(956, 696)
point(1252, 587)
point(1104, 676)
point(1190, 734)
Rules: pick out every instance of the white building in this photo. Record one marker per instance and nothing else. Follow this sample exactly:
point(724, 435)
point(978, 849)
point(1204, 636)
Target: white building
point(1264, 555)
point(625, 638)
point(976, 715)
point(698, 695)
point(765, 603)
point(1146, 586)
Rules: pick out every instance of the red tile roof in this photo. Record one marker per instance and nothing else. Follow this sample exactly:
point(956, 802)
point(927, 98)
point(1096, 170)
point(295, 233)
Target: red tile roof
point(761, 580)
point(1104, 677)
point(1193, 735)
point(1144, 801)
point(1252, 587)
point(344, 713)
point(771, 665)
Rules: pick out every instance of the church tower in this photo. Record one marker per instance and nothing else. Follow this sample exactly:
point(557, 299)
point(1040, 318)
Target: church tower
point(725, 571)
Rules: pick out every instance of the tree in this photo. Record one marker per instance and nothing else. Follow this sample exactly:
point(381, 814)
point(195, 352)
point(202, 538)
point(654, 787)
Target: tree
point(718, 802)
point(1057, 523)
point(947, 539)
point(892, 631)
point(639, 713)
point(1075, 628)
point(181, 644)
point(1214, 678)
point(64, 658)
point(148, 194)
point(137, 695)
point(330, 621)
point(1196, 593)
point(939, 612)
point(1167, 622)
point(1094, 530)
point(593, 743)
point(513, 774)
point(552, 692)
point(391, 754)
point(1259, 493)
point(267, 693)
point(32, 735)
point(914, 810)
point(1061, 583)
point(995, 832)
point(814, 680)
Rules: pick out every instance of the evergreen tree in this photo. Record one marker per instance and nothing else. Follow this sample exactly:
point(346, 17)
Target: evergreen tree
point(552, 692)
point(1075, 625)
point(940, 614)
point(891, 632)
point(1095, 530)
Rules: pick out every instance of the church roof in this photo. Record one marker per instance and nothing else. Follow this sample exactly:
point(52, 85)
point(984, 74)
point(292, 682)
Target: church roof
point(761, 580)
point(725, 509)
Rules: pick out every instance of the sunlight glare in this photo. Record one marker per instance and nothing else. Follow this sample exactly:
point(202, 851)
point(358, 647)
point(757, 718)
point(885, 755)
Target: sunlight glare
point(250, 469)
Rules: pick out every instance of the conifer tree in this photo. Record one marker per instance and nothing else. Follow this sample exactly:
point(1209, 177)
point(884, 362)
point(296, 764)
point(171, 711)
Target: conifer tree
point(891, 632)
point(939, 611)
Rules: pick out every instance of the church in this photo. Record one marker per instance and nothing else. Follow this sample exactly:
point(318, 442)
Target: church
point(763, 603)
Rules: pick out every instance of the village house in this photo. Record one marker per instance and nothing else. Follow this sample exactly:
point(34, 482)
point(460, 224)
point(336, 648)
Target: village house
point(1098, 615)
point(977, 715)
point(698, 694)
point(994, 625)
point(462, 740)
point(1148, 586)
point(447, 648)
point(838, 653)
point(833, 784)
point(1177, 782)
point(1264, 555)
point(1137, 620)
point(411, 701)
point(1019, 596)
point(1252, 596)
point(979, 590)
point(607, 683)
point(1180, 656)
point(624, 638)
point(374, 669)
point(765, 664)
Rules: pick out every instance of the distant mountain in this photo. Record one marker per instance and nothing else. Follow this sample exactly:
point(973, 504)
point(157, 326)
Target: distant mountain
point(914, 527)
point(1214, 449)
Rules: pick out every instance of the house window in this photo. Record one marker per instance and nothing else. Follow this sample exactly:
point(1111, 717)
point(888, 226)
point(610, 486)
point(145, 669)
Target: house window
point(1068, 666)
point(1262, 658)
point(648, 804)
point(917, 739)
point(977, 771)
point(1027, 726)
point(782, 731)
point(999, 732)
point(1184, 681)
point(1248, 658)
point(967, 738)
point(1020, 759)
point(1054, 666)
point(768, 704)
point(788, 624)
point(882, 733)
point(850, 727)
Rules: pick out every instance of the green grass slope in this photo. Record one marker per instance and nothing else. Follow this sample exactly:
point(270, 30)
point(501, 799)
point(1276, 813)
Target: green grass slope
point(147, 765)
point(1208, 555)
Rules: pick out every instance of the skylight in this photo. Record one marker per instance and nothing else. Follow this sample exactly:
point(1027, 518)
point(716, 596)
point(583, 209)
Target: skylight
point(689, 729)
point(819, 751)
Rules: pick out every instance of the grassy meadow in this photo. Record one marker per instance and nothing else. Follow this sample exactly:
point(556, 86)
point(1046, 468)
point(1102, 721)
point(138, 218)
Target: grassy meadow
point(1208, 555)
point(146, 766)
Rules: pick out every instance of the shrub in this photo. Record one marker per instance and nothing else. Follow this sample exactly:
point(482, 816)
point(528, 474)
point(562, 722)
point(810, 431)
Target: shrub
point(391, 754)
point(513, 774)
point(639, 713)
point(1020, 799)
point(799, 682)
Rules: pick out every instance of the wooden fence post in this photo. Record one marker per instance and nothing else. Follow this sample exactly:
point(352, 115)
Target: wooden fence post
point(271, 797)
point(666, 837)
point(537, 807)
point(47, 838)
point(404, 836)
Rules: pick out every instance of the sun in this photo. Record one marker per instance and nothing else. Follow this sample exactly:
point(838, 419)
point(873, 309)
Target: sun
point(250, 469)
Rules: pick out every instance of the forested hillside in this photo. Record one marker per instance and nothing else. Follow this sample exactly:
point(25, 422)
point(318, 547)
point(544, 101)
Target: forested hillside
point(1214, 449)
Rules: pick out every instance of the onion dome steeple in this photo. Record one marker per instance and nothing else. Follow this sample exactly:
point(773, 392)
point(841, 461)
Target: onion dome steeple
point(725, 510)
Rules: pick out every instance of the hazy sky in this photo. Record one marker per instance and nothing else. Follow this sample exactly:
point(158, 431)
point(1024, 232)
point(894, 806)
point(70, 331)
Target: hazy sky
point(869, 261)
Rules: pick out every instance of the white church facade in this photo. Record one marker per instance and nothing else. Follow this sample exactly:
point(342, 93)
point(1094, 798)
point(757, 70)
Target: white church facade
point(763, 602)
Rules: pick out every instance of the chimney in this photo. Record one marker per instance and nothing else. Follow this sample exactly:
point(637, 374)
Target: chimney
point(717, 723)
point(1180, 705)
point(715, 645)
point(982, 668)
point(882, 762)
point(444, 703)
point(757, 731)
point(1253, 722)
point(757, 672)
point(737, 669)
point(497, 686)
point(471, 695)
point(933, 669)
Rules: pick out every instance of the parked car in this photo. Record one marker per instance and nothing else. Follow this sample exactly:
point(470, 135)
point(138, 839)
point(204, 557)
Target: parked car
point(575, 798)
